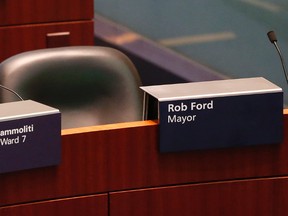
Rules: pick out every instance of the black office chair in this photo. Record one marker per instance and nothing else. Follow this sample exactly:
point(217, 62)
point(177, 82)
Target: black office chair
point(89, 85)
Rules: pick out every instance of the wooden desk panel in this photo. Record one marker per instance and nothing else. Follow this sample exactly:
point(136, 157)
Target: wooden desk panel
point(265, 197)
point(125, 156)
point(137, 163)
point(96, 205)
point(18, 39)
point(16, 12)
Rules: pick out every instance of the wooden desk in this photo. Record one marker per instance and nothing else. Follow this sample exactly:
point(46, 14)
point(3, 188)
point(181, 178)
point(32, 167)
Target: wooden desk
point(117, 169)
point(36, 24)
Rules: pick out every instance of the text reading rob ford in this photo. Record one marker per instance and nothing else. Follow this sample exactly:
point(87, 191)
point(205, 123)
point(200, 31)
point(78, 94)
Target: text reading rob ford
point(183, 112)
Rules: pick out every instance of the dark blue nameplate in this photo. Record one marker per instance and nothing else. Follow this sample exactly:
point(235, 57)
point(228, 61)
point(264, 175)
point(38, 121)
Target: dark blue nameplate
point(218, 114)
point(221, 122)
point(30, 140)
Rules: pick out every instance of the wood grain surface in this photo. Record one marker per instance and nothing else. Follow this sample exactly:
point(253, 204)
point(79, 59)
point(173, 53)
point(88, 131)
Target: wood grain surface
point(265, 197)
point(17, 39)
point(18, 12)
point(124, 158)
point(94, 205)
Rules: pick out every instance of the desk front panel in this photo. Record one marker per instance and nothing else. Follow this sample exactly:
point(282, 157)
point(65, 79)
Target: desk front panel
point(126, 156)
point(17, 12)
point(265, 197)
point(94, 205)
point(17, 39)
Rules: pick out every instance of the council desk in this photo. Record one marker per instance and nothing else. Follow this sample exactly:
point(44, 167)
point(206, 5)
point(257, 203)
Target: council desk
point(118, 170)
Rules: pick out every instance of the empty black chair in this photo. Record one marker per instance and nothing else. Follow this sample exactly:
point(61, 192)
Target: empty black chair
point(89, 85)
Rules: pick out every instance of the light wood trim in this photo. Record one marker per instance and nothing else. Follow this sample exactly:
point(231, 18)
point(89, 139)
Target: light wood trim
point(108, 127)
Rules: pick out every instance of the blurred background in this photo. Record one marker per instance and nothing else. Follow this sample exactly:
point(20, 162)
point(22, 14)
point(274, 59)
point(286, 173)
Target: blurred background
point(221, 38)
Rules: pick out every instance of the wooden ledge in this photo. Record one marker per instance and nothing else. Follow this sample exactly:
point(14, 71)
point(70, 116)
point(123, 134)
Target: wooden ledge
point(108, 127)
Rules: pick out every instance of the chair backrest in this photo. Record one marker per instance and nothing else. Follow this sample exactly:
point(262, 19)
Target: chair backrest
point(89, 85)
